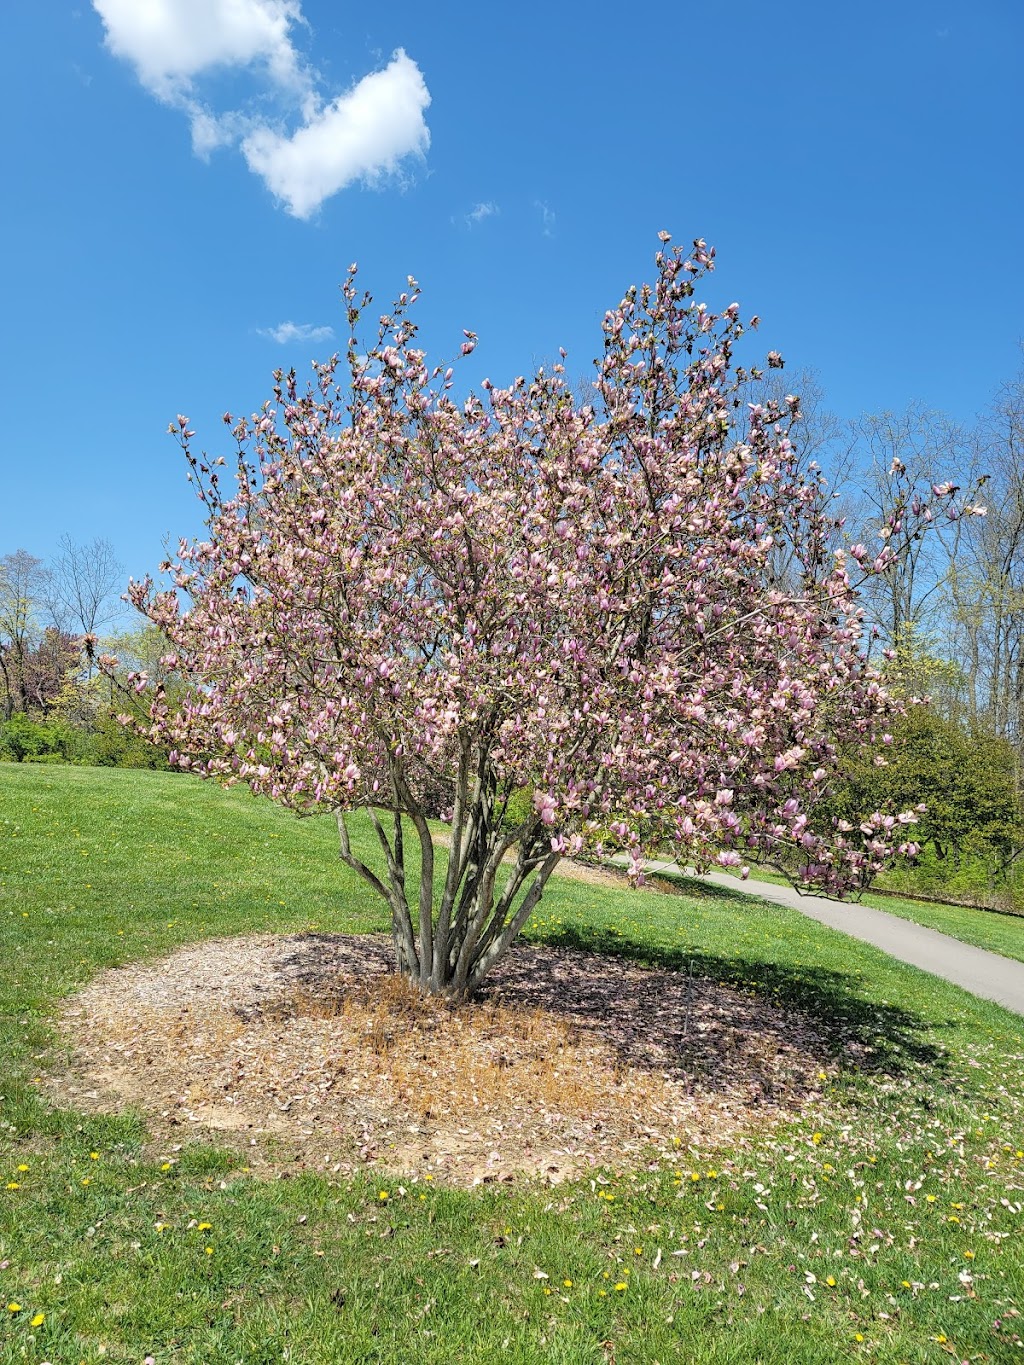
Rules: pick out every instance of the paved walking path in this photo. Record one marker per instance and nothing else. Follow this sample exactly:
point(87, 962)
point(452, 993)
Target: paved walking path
point(989, 975)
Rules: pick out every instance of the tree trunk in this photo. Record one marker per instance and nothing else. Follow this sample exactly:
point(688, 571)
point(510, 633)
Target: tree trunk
point(448, 938)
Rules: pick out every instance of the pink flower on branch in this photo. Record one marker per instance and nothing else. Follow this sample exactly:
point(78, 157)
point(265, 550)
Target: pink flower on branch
point(556, 622)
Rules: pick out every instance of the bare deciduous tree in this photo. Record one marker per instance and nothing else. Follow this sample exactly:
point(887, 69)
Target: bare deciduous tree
point(987, 579)
point(892, 450)
point(84, 584)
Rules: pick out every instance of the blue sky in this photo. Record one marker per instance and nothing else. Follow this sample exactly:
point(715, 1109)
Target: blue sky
point(187, 180)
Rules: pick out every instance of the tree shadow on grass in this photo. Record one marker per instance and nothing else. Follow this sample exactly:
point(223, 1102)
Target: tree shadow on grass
point(870, 1036)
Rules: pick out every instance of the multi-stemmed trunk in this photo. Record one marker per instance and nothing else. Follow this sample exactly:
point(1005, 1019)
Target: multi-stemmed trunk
point(450, 930)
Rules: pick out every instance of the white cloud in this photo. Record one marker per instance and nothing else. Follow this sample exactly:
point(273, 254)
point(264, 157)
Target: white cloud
point(285, 332)
point(170, 42)
point(547, 218)
point(478, 214)
point(362, 135)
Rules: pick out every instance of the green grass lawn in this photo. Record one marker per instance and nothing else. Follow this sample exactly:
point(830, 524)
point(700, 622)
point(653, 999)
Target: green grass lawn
point(887, 1226)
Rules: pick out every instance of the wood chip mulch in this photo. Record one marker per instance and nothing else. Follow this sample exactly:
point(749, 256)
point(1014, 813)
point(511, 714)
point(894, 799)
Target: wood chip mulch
point(307, 1049)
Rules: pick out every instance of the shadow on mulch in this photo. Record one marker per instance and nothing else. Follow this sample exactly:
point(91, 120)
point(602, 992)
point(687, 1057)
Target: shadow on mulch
point(662, 1009)
point(873, 1036)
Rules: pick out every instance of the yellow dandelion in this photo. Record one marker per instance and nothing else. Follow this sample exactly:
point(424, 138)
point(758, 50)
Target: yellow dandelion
point(621, 1286)
point(383, 1195)
point(204, 1227)
point(208, 1250)
point(86, 1179)
point(13, 1185)
point(14, 1308)
point(23, 1168)
point(38, 1320)
point(567, 1283)
point(830, 1280)
point(816, 1138)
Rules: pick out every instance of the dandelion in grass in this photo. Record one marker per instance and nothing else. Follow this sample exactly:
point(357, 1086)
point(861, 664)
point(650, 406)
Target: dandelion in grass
point(14, 1308)
point(38, 1320)
point(204, 1227)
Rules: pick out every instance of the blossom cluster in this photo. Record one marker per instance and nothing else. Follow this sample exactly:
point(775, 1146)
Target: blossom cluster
point(402, 593)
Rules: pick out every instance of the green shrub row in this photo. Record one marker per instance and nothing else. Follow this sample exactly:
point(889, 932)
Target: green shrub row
point(103, 744)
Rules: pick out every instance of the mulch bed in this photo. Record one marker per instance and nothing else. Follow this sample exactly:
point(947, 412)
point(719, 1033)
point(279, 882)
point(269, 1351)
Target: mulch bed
point(307, 1049)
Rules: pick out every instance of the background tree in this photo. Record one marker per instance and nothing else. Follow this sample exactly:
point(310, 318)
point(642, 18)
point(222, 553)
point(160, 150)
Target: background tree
point(83, 587)
point(22, 585)
point(51, 666)
point(986, 581)
point(890, 451)
point(961, 783)
point(519, 592)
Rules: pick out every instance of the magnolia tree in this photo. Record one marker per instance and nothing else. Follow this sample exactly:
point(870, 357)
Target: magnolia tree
point(558, 620)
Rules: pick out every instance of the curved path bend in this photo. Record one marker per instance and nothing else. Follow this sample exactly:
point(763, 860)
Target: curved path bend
point(989, 975)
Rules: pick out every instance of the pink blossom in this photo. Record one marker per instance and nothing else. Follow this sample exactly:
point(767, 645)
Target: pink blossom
point(414, 605)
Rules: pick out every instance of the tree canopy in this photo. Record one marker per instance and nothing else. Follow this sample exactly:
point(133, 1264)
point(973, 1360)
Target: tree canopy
point(406, 602)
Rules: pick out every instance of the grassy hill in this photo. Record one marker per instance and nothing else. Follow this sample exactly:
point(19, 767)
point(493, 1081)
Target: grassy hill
point(883, 1225)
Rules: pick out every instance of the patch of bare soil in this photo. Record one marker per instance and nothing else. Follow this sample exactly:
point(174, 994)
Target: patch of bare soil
point(569, 1060)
